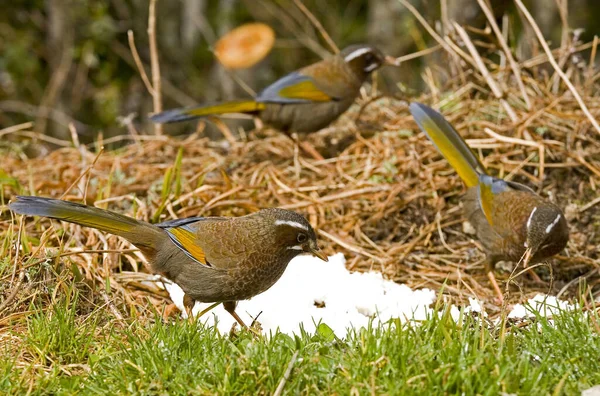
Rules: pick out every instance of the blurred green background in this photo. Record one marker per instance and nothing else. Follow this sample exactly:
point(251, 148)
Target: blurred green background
point(68, 61)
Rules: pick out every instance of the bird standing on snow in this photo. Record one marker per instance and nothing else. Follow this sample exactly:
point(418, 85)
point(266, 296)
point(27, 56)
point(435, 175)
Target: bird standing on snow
point(213, 259)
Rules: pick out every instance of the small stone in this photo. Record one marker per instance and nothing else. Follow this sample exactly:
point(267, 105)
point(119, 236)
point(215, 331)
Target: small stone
point(571, 211)
point(468, 228)
point(506, 266)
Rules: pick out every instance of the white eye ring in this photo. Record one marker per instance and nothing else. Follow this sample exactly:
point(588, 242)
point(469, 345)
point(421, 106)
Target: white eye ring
point(301, 238)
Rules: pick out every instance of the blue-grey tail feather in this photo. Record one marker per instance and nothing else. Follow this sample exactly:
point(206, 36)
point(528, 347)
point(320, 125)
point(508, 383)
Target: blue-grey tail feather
point(169, 116)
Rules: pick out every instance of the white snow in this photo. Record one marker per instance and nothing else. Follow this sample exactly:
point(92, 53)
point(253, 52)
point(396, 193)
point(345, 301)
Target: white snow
point(348, 300)
point(543, 304)
point(593, 391)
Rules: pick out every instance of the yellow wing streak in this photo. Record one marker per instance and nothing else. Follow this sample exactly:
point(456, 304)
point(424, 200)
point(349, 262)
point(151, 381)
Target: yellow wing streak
point(304, 90)
point(186, 239)
point(486, 197)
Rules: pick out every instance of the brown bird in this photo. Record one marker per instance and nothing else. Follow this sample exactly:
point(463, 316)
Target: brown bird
point(511, 220)
point(303, 101)
point(213, 259)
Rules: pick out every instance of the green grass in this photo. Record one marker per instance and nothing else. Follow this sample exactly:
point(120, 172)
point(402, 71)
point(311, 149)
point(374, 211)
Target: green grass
point(66, 349)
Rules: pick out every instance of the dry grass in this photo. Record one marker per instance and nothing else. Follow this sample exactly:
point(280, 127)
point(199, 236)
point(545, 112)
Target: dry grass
point(375, 188)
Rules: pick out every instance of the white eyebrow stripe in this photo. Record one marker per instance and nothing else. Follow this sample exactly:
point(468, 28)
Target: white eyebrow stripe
point(551, 226)
point(356, 53)
point(531, 217)
point(291, 223)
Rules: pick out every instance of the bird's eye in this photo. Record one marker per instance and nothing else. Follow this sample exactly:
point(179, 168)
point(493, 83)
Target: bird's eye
point(301, 238)
point(369, 58)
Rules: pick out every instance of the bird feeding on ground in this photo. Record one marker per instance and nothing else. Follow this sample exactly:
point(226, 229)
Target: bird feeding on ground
point(306, 100)
point(511, 220)
point(213, 259)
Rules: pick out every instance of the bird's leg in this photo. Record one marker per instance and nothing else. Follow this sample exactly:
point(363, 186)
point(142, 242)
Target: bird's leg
point(536, 278)
point(311, 150)
point(489, 269)
point(258, 124)
point(188, 305)
point(230, 307)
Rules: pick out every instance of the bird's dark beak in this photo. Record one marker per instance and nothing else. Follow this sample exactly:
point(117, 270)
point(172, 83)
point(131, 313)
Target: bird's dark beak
point(318, 253)
point(390, 60)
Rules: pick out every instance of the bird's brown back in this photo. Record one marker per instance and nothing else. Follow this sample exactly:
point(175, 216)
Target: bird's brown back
point(332, 76)
point(241, 261)
point(506, 238)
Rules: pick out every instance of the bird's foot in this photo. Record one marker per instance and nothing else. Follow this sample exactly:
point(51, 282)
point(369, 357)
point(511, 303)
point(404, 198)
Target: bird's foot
point(230, 307)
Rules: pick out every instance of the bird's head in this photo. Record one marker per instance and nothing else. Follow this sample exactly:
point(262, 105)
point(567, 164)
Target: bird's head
point(292, 232)
point(547, 232)
point(364, 59)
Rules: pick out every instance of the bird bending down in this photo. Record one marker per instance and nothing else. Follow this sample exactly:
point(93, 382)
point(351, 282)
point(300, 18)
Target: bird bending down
point(306, 100)
point(213, 259)
point(511, 220)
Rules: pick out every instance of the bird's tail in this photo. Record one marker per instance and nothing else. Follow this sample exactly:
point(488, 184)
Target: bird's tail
point(449, 143)
point(143, 235)
point(186, 114)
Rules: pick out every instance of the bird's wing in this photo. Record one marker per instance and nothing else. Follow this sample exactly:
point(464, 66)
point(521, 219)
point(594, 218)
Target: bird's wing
point(293, 88)
point(519, 187)
point(184, 234)
point(181, 222)
point(490, 186)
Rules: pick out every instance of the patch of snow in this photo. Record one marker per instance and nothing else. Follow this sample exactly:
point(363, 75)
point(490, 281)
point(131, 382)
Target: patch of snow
point(593, 391)
point(312, 291)
point(543, 304)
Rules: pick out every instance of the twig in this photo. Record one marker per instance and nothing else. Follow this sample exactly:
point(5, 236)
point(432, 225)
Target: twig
point(169, 88)
point(224, 129)
point(541, 148)
point(579, 157)
point(485, 72)
point(590, 69)
point(317, 25)
point(438, 218)
point(562, 75)
point(112, 307)
point(516, 69)
point(350, 247)
point(543, 58)
point(417, 54)
point(138, 62)
point(427, 27)
point(15, 128)
point(344, 194)
point(89, 168)
point(154, 64)
point(589, 205)
point(17, 286)
point(286, 375)
point(54, 87)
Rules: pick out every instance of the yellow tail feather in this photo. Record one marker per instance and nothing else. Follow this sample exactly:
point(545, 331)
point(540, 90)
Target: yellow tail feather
point(137, 232)
point(449, 143)
point(177, 115)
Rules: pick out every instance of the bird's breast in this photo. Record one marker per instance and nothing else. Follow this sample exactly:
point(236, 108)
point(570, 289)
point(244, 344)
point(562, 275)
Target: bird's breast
point(258, 272)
